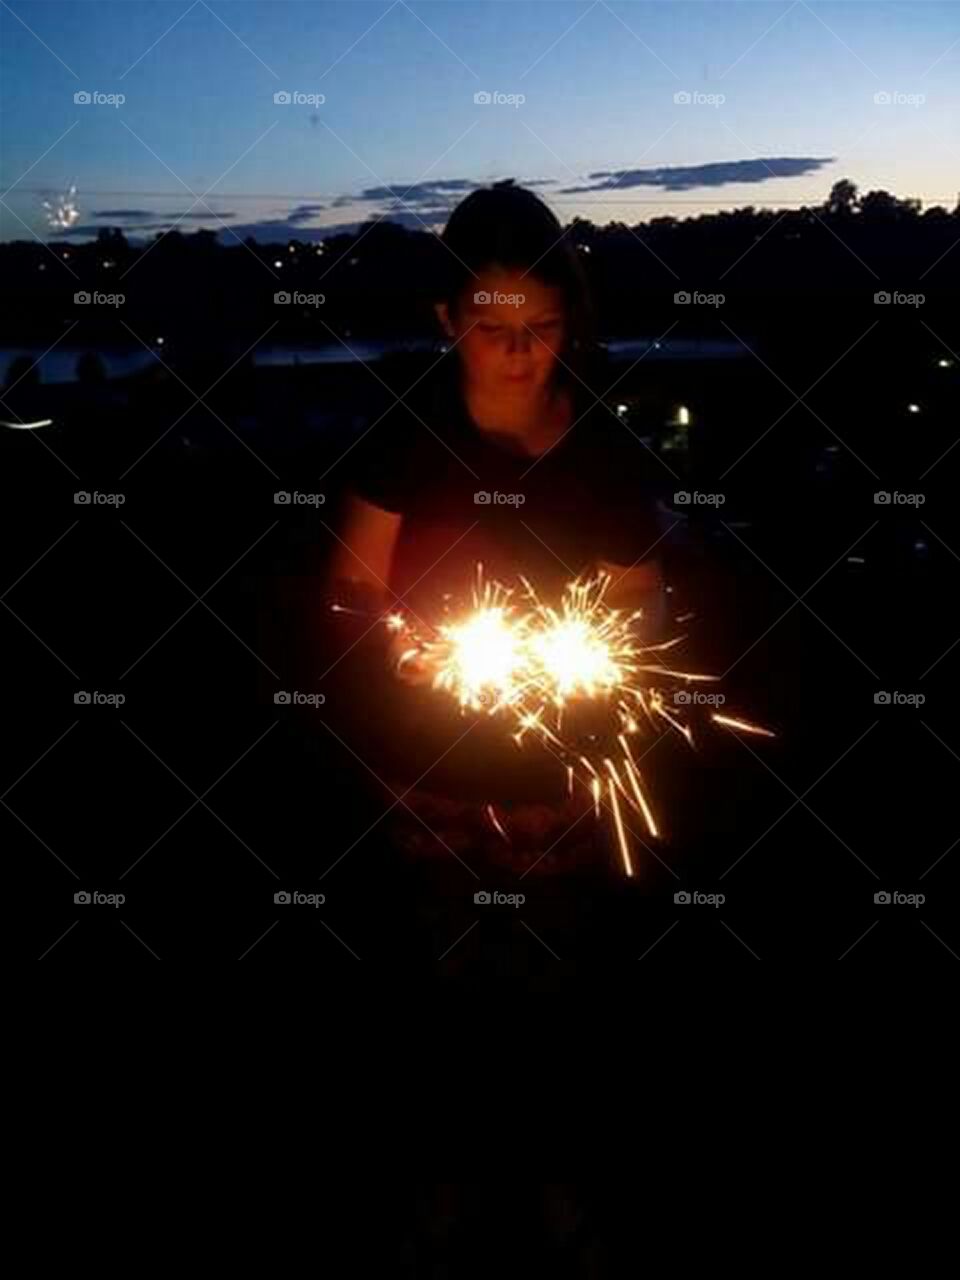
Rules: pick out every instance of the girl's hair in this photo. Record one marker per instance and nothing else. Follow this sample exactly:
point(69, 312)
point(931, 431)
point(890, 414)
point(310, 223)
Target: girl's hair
point(509, 227)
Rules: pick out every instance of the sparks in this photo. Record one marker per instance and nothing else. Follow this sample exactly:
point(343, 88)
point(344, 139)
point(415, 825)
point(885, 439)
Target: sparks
point(62, 212)
point(515, 656)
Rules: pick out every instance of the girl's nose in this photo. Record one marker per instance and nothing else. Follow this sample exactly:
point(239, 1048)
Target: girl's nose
point(519, 340)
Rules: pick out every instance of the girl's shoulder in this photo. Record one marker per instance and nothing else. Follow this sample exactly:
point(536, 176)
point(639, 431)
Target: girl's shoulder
point(390, 454)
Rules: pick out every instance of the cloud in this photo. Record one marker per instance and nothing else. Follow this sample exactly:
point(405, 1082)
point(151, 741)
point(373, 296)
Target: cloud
point(720, 173)
point(304, 212)
point(417, 192)
point(119, 217)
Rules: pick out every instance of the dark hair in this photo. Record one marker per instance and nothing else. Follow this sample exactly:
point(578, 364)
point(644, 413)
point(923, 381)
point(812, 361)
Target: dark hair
point(509, 227)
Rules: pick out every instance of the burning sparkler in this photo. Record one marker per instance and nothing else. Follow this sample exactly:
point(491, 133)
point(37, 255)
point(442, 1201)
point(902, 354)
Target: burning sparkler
point(515, 656)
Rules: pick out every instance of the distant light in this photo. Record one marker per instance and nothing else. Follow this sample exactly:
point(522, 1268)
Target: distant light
point(584, 248)
point(28, 426)
point(855, 560)
point(42, 266)
point(944, 363)
point(354, 261)
point(913, 408)
point(320, 248)
point(291, 248)
point(683, 416)
point(278, 263)
point(160, 342)
point(919, 545)
point(657, 345)
point(108, 263)
point(622, 409)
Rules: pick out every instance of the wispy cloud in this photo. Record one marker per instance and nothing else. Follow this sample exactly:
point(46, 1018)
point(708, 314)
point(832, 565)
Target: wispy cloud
point(720, 173)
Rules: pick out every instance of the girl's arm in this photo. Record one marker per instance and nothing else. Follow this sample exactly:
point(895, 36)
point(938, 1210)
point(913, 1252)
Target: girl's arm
point(360, 571)
point(363, 556)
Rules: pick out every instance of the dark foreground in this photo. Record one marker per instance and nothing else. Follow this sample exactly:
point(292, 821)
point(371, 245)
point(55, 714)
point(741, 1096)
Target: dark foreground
point(199, 797)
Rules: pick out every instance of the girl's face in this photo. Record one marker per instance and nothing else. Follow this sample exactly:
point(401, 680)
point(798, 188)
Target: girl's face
point(509, 328)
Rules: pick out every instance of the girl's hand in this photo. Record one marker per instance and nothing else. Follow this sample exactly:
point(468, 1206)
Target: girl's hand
point(405, 662)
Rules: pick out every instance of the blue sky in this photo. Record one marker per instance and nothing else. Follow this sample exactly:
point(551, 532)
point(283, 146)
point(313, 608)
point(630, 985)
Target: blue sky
point(784, 105)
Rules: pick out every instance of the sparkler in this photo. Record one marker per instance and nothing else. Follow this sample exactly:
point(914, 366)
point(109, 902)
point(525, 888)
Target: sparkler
point(539, 666)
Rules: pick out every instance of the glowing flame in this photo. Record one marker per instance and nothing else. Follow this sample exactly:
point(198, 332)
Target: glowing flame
point(528, 660)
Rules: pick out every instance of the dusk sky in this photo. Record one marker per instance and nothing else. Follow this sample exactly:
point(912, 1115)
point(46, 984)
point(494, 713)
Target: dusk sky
point(784, 104)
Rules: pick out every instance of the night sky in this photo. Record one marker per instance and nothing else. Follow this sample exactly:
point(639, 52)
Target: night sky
point(783, 104)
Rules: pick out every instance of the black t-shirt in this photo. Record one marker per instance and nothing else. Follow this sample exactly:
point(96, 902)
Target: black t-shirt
point(467, 498)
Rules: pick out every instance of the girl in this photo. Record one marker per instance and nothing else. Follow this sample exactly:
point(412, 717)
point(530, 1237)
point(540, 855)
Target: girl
point(504, 455)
